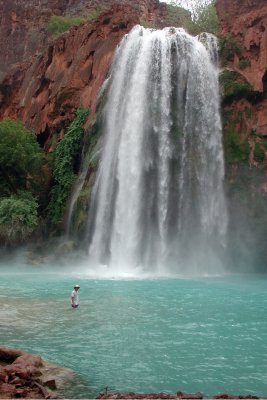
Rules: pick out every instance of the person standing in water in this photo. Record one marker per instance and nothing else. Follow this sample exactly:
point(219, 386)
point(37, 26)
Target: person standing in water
point(74, 296)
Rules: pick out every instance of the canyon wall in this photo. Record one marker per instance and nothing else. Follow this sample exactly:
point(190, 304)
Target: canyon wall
point(45, 91)
point(49, 79)
point(244, 22)
point(243, 40)
point(23, 23)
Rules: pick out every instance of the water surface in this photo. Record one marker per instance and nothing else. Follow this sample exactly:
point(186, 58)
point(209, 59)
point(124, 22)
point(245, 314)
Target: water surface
point(201, 334)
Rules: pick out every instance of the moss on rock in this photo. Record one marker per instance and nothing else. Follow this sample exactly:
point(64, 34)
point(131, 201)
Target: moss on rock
point(229, 47)
point(234, 86)
point(235, 150)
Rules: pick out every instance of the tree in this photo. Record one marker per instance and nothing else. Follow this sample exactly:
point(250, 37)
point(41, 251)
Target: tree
point(206, 19)
point(203, 15)
point(194, 6)
point(20, 156)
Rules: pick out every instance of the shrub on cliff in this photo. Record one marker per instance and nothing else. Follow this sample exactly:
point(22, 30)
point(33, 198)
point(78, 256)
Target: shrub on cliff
point(18, 218)
point(234, 86)
point(229, 47)
point(235, 150)
point(63, 173)
point(57, 24)
point(20, 157)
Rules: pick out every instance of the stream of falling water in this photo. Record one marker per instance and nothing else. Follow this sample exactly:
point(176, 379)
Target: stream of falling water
point(158, 202)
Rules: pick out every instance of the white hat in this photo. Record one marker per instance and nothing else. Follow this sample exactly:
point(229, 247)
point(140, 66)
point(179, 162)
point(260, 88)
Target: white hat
point(76, 286)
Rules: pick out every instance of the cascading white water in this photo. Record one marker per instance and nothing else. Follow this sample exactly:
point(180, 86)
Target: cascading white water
point(158, 201)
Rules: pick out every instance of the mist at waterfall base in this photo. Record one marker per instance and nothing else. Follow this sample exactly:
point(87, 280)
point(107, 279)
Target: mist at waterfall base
point(158, 203)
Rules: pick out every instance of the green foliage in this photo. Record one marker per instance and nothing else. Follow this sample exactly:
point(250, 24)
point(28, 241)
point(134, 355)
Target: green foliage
point(206, 20)
point(146, 24)
point(57, 25)
point(20, 156)
point(94, 14)
point(259, 153)
point(63, 174)
point(234, 86)
point(244, 63)
point(228, 48)
point(18, 217)
point(202, 16)
point(234, 150)
point(178, 16)
point(91, 153)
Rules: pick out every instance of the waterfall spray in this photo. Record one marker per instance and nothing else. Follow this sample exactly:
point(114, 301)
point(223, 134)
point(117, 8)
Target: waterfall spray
point(158, 201)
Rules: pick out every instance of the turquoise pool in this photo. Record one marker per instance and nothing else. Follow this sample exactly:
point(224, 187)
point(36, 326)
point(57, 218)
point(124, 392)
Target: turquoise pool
point(143, 335)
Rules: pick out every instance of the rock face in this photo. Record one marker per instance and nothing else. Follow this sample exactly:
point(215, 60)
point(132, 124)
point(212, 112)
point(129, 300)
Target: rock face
point(23, 375)
point(44, 93)
point(23, 23)
point(23, 27)
point(244, 58)
point(244, 22)
point(45, 90)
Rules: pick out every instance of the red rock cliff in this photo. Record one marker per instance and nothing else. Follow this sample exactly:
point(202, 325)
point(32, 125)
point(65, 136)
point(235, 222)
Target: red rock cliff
point(45, 91)
point(246, 22)
point(23, 23)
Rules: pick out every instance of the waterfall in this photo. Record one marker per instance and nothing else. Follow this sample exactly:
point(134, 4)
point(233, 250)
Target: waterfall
point(158, 201)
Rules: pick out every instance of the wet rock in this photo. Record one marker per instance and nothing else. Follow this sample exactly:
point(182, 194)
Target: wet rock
point(182, 395)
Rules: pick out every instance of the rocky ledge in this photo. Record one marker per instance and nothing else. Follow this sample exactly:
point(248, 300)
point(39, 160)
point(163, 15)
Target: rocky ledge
point(23, 375)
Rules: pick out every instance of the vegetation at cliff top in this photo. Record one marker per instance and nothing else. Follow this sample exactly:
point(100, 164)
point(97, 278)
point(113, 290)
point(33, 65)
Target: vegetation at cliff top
point(57, 25)
point(178, 16)
point(63, 173)
point(203, 15)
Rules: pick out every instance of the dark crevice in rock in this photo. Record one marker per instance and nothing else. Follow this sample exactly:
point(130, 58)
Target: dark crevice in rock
point(43, 137)
point(264, 82)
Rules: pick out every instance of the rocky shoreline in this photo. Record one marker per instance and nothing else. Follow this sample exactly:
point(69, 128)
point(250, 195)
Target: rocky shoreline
point(27, 376)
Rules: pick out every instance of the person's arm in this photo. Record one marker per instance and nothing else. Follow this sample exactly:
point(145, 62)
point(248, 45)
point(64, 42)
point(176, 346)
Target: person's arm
point(72, 299)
